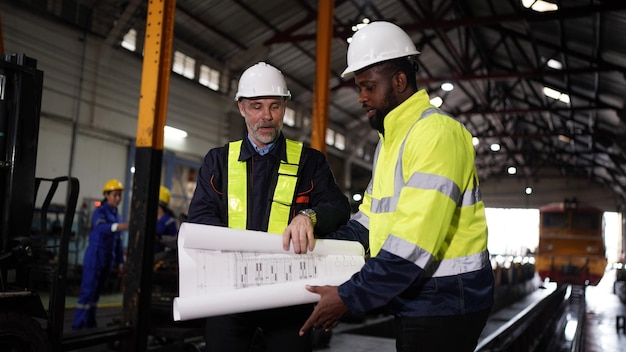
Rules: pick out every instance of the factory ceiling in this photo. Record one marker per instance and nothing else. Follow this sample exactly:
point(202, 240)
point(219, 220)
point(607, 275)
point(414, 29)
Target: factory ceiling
point(543, 91)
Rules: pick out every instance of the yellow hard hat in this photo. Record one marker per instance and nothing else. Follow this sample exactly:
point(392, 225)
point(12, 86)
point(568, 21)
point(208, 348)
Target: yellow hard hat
point(164, 195)
point(112, 185)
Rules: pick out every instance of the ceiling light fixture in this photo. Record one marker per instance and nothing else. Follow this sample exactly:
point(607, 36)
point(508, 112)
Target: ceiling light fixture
point(565, 139)
point(555, 64)
point(540, 5)
point(447, 86)
point(363, 23)
point(358, 26)
point(556, 95)
point(436, 101)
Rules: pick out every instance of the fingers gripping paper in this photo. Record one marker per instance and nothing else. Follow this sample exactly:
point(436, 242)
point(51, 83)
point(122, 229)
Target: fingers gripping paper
point(223, 270)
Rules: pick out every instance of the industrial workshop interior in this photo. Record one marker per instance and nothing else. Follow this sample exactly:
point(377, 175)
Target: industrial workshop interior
point(137, 92)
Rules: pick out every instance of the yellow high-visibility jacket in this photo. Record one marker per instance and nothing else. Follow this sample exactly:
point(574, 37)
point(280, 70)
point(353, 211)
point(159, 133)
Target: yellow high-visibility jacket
point(426, 220)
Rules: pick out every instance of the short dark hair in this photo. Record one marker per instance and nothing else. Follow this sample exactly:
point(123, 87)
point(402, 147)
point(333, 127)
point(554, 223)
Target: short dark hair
point(402, 64)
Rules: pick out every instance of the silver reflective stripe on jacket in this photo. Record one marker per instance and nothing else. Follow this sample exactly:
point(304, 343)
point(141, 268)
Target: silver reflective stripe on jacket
point(443, 185)
point(423, 259)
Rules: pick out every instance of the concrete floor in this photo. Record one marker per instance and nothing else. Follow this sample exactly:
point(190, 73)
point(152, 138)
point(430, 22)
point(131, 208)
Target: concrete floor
point(601, 335)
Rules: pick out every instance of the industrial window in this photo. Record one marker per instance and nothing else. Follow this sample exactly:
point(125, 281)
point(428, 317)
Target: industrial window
point(330, 137)
point(335, 139)
point(340, 141)
point(367, 157)
point(184, 65)
point(359, 151)
point(586, 221)
point(555, 220)
point(290, 117)
point(129, 42)
point(209, 77)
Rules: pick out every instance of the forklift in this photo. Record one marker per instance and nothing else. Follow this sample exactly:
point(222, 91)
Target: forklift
point(25, 325)
point(35, 233)
point(33, 259)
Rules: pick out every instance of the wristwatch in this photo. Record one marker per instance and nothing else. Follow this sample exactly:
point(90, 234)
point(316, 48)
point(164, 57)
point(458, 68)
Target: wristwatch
point(310, 213)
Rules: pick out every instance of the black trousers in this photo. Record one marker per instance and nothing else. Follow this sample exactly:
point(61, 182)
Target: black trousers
point(273, 330)
point(458, 333)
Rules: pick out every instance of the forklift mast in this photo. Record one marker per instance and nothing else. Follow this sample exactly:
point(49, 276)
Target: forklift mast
point(20, 101)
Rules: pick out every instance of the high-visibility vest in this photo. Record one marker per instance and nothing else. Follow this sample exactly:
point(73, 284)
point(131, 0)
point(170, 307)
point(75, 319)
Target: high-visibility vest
point(418, 231)
point(283, 193)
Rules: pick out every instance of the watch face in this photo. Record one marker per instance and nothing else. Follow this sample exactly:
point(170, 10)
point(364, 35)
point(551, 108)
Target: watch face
point(311, 214)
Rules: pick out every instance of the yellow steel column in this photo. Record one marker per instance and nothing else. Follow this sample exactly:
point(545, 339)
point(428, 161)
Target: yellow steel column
point(157, 63)
point(322, 76)
point(155, 75)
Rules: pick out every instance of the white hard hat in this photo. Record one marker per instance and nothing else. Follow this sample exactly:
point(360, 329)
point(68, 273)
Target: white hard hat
point(378, 41)
point(262, 80)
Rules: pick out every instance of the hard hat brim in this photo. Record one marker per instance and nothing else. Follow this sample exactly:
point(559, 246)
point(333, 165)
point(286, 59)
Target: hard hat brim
point(350, 70)
point(269, 95)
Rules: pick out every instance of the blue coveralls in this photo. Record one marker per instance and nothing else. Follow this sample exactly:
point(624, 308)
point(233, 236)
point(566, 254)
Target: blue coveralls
point(104, 249)
point(166, 226)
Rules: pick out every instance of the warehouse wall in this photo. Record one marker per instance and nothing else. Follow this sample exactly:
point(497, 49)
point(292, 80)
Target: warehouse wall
point(95, 89)
point(509, 192)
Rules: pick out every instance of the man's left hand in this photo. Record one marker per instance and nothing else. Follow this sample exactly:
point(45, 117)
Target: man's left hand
point(300, 233)
point(328, 310)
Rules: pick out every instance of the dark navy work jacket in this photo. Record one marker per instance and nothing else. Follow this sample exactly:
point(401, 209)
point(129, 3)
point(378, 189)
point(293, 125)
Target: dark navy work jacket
point(316, 188)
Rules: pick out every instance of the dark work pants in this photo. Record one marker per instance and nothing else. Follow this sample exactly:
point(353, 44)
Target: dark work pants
point(278, 331)
point(458, 333)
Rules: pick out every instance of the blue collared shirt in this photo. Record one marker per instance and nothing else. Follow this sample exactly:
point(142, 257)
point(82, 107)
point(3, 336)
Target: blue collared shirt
point(261, 151)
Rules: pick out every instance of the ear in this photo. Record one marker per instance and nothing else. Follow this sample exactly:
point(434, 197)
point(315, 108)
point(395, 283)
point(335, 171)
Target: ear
point(399, 82)
point(241, 108)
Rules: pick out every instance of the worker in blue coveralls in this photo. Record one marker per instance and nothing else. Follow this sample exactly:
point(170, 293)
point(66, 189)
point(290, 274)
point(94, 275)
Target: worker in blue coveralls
point(266, 182)
point(103, 251)
point(166, 228)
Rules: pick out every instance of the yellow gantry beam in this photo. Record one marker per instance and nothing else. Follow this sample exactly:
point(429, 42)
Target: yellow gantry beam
point(155, 76)
point(322, 77)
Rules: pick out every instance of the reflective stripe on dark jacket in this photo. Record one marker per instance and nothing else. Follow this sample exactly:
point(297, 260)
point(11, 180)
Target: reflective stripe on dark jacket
point(283, 194)
point(316, 188)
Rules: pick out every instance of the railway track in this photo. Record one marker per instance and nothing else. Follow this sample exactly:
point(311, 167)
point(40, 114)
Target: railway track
point(553, 323)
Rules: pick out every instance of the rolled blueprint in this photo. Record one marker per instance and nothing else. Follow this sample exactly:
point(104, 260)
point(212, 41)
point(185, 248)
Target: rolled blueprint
point(224, 271)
